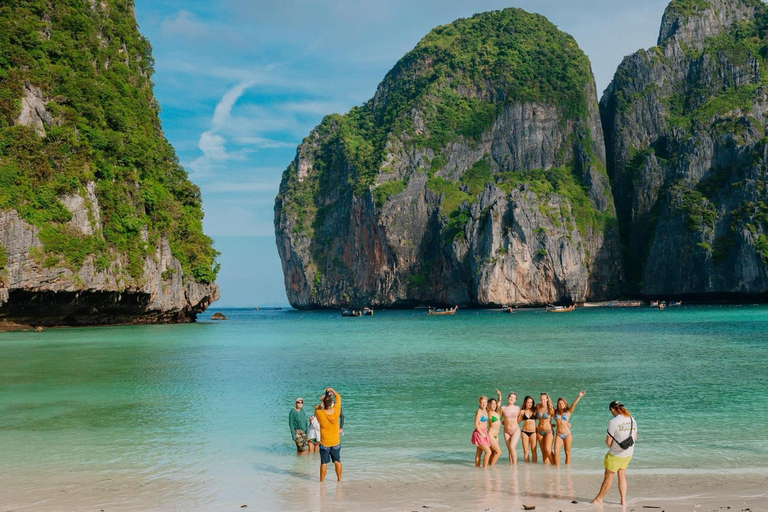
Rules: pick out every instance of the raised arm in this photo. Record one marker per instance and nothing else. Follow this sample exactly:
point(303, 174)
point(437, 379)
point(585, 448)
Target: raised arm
point(498, 401)
point(573, 405)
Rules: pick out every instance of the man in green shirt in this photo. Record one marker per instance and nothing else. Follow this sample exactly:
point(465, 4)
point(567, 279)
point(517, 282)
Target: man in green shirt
point(299, 425)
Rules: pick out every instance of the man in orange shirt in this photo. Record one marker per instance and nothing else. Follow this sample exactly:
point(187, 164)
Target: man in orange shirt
point(327, 415)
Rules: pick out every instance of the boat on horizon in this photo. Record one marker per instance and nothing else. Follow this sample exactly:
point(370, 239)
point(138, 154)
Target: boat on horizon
point(439, 311)
point(351, 312)
point(560, 309)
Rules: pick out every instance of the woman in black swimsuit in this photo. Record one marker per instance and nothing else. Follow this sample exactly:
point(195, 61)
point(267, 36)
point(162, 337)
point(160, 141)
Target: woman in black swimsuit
point(528, 416)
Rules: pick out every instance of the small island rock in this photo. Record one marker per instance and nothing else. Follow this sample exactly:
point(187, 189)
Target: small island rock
point(218, 316)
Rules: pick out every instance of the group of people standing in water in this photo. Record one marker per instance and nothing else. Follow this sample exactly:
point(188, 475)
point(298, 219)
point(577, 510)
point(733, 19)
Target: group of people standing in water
point(537, 430)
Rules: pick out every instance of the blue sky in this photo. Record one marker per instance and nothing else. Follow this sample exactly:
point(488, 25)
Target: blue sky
point(242, 82)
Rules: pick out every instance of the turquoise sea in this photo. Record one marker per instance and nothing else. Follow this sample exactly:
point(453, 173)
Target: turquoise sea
point(203, 407)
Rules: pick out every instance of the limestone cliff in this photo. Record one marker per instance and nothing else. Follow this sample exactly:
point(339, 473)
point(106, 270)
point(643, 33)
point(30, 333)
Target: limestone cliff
point(687, 153)
point(98, 221)
point(474, 176)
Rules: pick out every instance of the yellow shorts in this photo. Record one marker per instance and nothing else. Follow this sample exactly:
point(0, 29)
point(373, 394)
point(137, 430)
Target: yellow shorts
point(614, 463)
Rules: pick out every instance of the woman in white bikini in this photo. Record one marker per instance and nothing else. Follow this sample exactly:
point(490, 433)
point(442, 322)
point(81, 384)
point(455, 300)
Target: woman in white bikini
point(494, 427)
point(480, 434)
point(509, 417)
point(544, 411)
point(563, 436)
point(528, 417)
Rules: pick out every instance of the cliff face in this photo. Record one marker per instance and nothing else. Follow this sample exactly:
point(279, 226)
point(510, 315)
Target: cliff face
point(475, 176)
point(686, 148)
point(98, 221)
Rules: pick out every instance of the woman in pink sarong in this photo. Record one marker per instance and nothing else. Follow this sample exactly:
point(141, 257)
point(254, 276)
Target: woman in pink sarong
point(480, 435)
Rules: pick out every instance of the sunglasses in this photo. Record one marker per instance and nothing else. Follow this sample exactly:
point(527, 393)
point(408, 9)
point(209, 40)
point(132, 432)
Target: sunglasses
point(299, 401)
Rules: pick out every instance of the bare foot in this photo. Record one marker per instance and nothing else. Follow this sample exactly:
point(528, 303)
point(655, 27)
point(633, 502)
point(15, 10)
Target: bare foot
point(596, 501)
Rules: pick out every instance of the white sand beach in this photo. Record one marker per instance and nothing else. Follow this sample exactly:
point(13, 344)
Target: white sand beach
point(497, 489)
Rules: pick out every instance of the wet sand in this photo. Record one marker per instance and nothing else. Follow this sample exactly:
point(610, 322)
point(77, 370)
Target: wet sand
point(496, 489)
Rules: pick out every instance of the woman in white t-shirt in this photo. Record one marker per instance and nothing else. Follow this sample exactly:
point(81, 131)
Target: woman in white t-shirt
point(621, 429)
point(314, 434)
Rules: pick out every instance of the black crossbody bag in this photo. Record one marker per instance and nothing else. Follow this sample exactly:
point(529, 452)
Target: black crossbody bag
point(628, 441)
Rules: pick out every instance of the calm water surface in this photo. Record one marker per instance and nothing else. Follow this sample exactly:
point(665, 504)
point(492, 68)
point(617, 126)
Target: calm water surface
point(206, 405)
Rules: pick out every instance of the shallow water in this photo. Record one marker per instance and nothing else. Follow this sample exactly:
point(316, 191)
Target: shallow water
point(203, 408)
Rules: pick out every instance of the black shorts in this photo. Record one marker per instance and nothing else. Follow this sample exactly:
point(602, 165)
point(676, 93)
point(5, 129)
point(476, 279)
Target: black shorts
point(328, 453)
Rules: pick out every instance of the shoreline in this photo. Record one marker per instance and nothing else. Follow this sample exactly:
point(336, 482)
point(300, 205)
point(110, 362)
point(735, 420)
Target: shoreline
point(8, 326)
point(497, 489)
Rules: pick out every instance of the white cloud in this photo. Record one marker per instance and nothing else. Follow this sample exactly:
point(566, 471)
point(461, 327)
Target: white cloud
point(211, 143)
point(185, 25)
point(212, 146)
point(264, 143)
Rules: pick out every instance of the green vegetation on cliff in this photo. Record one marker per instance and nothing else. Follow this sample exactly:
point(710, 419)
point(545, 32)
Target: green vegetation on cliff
point(686, 8)
point(94, 70)
point(452, 85)
point(709, 96)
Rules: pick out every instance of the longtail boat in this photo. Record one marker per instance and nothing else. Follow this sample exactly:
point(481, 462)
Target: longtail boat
point(449, 311)
point(560, 309)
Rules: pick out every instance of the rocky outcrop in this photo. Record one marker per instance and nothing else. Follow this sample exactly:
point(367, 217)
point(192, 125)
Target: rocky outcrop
point(457, 183)
point(33, 112)
point(686, 148)
point(35, 290)
point(99, 224)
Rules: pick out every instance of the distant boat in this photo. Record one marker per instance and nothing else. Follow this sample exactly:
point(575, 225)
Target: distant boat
point(508, 309)
point(368, 311)
point(659, 304)
point(560, 309)
point(436, 311)
point(624, 304)
point(675, 304)
point(351, 312)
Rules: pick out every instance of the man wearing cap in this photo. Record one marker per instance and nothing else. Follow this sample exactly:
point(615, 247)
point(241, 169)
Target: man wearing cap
point(327, 415)
point(299, 425)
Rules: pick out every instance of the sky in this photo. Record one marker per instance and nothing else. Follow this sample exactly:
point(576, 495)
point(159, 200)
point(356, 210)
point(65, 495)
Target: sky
point(242, 82)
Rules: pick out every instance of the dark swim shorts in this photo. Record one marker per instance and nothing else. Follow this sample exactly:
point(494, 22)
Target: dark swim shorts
point(328, 453)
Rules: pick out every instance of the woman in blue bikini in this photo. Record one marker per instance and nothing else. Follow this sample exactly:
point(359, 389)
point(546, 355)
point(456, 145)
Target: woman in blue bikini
point(564, 438)
point(480, 434)
point(544, 411)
